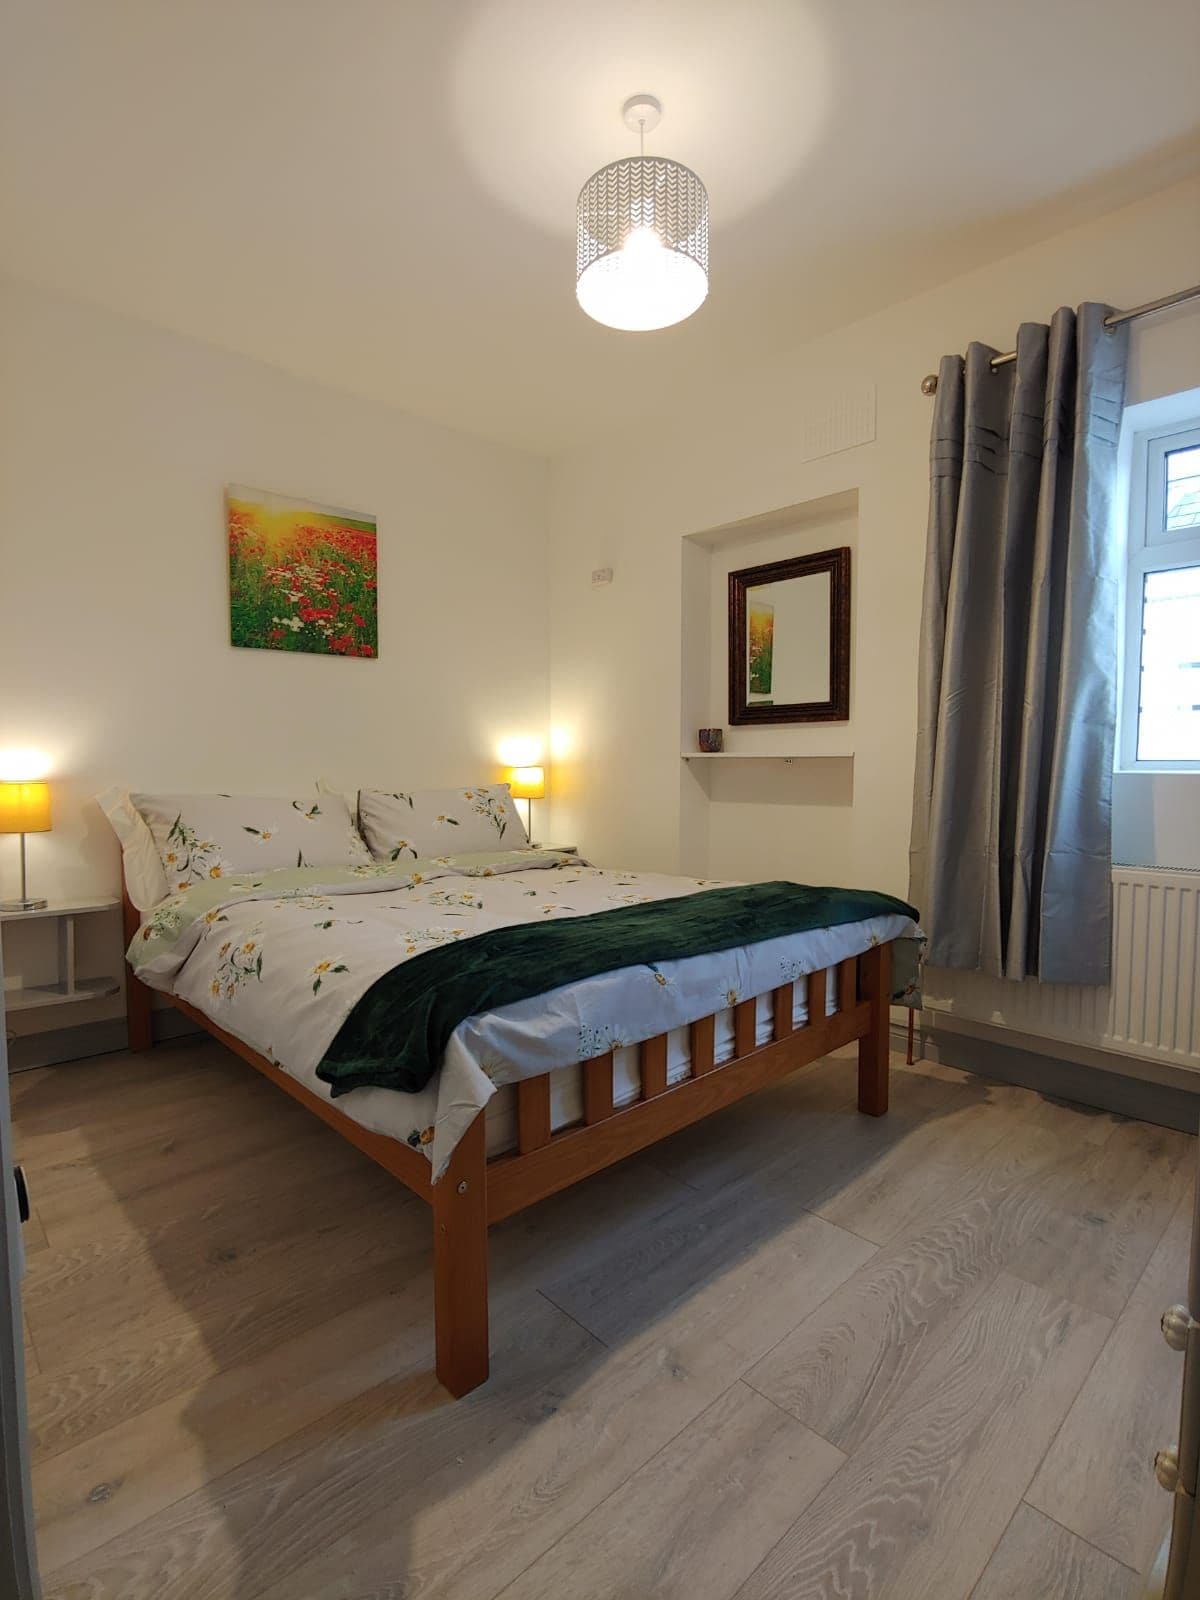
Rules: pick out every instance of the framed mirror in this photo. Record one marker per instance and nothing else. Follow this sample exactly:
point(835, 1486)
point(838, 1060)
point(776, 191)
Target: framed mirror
point(789, 640)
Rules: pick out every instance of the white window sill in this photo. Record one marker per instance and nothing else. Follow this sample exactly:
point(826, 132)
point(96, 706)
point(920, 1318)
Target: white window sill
point(1149, 769)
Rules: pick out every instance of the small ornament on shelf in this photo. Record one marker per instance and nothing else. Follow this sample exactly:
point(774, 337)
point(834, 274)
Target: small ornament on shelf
point(712, 740)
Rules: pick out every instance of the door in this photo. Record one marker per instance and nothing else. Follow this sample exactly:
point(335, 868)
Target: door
point(18, 1562)
point(1176, 1574)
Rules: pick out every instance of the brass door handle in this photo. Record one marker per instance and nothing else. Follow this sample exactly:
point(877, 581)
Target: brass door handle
point(1166, 1469)
point(1177, 1323)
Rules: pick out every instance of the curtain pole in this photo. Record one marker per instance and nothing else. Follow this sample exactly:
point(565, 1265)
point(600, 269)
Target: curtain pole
point(929, 382)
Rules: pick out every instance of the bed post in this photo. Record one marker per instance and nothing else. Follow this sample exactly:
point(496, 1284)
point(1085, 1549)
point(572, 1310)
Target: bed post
point(875, 982)
point(139, 1020)
point(460, 1290)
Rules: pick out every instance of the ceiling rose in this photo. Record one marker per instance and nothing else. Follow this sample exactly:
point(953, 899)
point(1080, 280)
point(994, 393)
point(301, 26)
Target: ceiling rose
point(641, 255)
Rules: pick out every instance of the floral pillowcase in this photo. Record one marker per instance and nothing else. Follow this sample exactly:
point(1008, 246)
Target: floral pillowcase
point(439, 822)
point(201, 836)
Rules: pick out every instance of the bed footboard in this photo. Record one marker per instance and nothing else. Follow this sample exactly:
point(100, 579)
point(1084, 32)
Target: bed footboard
point(546, 1161)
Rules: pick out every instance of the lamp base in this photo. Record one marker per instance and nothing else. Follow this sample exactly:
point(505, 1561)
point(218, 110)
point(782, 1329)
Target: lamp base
point(23, 905)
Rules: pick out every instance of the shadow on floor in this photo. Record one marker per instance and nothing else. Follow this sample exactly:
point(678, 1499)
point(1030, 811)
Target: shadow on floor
point(235, 1325)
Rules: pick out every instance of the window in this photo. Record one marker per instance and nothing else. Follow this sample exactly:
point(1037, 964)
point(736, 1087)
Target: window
point(1161, 700)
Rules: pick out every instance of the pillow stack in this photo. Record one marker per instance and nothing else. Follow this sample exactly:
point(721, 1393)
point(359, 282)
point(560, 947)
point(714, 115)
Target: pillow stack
point(171, 841)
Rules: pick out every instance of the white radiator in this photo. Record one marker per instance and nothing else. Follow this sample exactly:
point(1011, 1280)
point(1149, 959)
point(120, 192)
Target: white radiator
point(1151, 1009)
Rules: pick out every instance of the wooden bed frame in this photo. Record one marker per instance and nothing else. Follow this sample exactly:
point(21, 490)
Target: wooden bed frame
point(475, 1192)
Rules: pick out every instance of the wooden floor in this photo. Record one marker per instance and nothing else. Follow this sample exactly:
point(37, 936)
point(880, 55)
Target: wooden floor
point(793, 1352)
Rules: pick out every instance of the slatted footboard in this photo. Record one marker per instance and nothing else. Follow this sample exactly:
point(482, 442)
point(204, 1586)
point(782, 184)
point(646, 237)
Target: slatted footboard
point(547, 1160)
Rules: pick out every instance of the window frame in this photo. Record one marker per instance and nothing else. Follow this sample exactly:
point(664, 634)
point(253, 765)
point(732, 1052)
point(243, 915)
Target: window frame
point(1151, 547)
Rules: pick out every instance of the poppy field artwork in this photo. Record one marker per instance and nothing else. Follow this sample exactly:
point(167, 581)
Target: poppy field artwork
point(761, 651)
point(302, 577)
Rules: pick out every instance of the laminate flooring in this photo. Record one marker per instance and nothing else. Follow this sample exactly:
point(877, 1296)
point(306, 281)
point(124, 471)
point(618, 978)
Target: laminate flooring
point(791, 1352)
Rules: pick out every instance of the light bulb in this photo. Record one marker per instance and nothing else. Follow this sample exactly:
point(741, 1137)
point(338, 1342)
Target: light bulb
point(644, 250)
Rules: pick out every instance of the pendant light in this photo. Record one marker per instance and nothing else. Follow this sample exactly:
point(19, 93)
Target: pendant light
point(641, 258)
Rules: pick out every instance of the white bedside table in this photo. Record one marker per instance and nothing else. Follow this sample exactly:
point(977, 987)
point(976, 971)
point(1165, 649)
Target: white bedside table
point(68, 987)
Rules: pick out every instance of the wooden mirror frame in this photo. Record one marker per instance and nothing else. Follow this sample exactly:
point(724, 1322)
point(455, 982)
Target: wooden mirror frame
point(837, 708)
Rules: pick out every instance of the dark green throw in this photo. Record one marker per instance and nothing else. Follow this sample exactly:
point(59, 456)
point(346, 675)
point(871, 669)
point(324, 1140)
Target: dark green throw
point(397, 1033)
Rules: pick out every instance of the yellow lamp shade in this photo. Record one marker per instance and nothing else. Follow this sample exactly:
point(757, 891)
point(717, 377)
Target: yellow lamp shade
point(527, 783)
point(24, 808)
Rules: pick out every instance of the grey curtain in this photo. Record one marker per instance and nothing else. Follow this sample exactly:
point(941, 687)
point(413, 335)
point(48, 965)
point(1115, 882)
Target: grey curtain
point(1011, 837)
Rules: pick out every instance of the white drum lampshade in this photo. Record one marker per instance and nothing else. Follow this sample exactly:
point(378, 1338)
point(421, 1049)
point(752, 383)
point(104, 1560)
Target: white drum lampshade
point(641, 258)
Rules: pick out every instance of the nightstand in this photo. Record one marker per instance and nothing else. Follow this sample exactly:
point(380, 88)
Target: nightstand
point(68, 987)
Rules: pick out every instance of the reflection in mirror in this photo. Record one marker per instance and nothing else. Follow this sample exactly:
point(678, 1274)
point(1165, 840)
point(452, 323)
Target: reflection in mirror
point(789, 640)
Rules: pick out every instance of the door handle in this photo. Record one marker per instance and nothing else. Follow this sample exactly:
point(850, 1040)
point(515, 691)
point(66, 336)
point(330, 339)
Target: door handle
point(1166, 1469)
point(1176, 1324)
point(22, 1189)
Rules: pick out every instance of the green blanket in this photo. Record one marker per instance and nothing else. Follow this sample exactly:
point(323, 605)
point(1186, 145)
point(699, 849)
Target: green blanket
point(397, 1033)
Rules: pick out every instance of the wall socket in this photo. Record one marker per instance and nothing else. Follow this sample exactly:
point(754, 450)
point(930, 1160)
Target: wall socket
point(601, 576)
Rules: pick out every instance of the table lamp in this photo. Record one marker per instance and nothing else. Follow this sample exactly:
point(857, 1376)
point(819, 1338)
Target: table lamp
point(24, 808)
point(528, 784)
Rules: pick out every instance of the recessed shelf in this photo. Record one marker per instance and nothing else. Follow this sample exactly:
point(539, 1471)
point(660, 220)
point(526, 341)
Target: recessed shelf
point(766, 755)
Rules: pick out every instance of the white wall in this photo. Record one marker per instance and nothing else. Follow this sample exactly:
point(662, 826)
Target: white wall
point(116, 441)
point(732, 453)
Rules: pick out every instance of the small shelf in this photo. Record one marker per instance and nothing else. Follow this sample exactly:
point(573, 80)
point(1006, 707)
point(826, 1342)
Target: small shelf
point(766, 755)
point(60, 908)
point(57, 994)
point(68, 989)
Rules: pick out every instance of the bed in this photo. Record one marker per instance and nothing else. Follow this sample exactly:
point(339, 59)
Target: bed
point(528, 1096)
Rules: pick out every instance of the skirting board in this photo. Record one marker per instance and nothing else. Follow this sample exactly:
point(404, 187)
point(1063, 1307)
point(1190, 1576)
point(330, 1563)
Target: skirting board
point(1146, 1091)
point(58, 1045)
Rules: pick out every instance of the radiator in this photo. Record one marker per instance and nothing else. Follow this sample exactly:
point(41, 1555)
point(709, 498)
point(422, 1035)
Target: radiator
point(1151, 1008)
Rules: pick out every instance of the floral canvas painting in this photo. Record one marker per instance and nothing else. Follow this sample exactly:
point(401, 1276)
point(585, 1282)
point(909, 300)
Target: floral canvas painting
point(302, 577)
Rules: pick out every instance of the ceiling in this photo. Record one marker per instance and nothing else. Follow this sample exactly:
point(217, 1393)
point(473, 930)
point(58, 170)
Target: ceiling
point(379, 194)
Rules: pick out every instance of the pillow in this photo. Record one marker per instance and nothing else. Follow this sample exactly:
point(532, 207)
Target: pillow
point(201, 836)
point(145, 881)
point(347, 791)
point(439, 822)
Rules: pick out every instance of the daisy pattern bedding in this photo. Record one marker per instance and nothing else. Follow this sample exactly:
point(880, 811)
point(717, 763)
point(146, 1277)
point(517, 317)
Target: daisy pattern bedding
point(283, 958)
